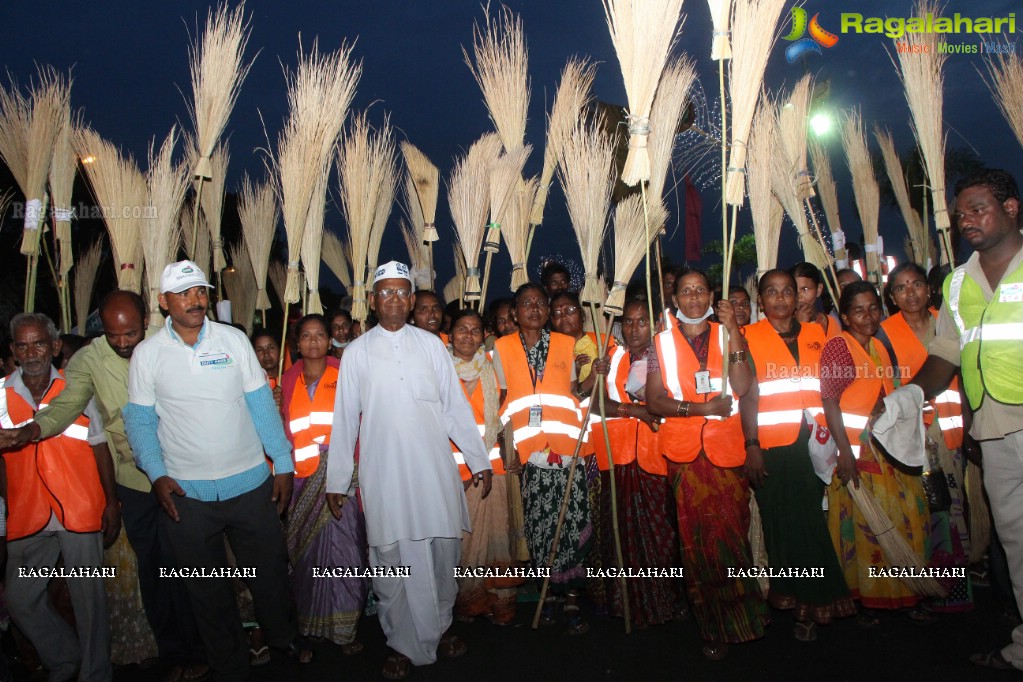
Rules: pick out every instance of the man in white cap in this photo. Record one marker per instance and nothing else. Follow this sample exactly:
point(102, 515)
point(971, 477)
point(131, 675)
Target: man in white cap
point(400, 397)
point(199, 417)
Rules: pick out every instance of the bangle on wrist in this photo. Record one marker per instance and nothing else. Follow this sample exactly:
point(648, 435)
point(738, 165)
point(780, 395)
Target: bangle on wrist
point(623, 410)
point(737, 357)
point(750, 442)
point(683, 408)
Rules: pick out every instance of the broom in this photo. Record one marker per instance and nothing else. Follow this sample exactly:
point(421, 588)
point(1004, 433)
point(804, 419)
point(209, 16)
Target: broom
point(572, 97)
point(516, 229)
point(86, 270)
point(167, 184)
point(757, 545)
point(359, 195)
point(499, 48)
point(828, 192)
point(212, 203)
point(312, 241)
point(720, 48)
point(217, 68)
point(630, 245)
point(919, 243)
point(468, 200)
point(895, 548)
point(257, 211)
point(505, 183)
point(425, 180)
point(335, 260)
point(854, 142)
point(319, 93)
point(454, 290)
point(63, 167)
point(240, 283)
point(1006, 85)
point(117, 185)
point(385, 177)
point(420, 251)
point(980, 514)
point(202, 254)
point(921, 74)
point(277, 273)
point(417, 258)
point(765, 210)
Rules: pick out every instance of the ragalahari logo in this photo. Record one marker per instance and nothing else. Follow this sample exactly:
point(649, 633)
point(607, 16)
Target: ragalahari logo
point(818, 36)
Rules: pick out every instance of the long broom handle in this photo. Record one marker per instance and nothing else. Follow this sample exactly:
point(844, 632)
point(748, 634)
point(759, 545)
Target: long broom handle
point(429, 247)
point(646, 225)
point(602, 341)
point(486, 281)
point(564, 508)
point(725, 241)
point(195, 215)
point(284, 347)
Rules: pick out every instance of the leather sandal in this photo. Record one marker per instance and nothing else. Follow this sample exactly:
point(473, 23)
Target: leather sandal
point(396, 667)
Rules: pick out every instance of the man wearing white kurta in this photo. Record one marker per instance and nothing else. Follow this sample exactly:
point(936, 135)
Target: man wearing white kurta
point(400, 397)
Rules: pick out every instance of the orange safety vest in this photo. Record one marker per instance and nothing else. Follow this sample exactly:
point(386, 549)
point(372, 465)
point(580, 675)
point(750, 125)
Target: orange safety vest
point(561, 420)
point(859, 399)
point(310, 421)
point(683, 438)
point(57, 474)
point(631, 439)
point(911, 356)
point(476, 402)
point(786, 387)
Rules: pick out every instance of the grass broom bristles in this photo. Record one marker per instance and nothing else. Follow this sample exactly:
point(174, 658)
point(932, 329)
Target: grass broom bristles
point(587, 173)
point(201, 255)
point(86, 271)
point(921, 65)
point(417, 257)
point(754, 31)
point(120, 188)
point(240, 284)
point(63, 167)
point(1006, 85)
point(499, 48)
point(216, 63)
point(516, 229)
point(468, 200)
point(15, 118)
point(50, 102)
point(720, 47)
point(573, 95)
point(630, 244)
point(312, 242)
point(828, 192)
point(919, 249)
point(257, 211)
point(414, 233)
point(385, 177)
point(425, 179)
point(211, 202)
point(454, 290)
point(668, 108)
point(505, 178)
point(277, 273)
point(643, 33)
point(167, 184)
point(335, 259)
point(764, 207)
point(865, 190)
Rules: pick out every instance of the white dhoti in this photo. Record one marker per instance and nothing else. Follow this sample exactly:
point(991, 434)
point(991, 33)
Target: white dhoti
point(416, 611)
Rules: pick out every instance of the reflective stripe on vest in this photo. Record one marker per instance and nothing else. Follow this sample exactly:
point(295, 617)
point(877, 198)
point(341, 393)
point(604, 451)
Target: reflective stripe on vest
point(5, 418)
point(612, 384)
point(312, 419)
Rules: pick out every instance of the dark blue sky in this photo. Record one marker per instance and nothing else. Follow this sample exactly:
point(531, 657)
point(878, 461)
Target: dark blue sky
point(130, 67)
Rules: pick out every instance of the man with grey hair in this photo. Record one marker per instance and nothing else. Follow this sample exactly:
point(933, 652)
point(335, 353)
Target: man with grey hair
point(61, 501)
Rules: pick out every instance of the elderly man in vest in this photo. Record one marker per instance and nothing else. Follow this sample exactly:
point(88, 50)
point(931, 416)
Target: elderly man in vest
point(399, 395)
point(978, 332)
point(60, 498)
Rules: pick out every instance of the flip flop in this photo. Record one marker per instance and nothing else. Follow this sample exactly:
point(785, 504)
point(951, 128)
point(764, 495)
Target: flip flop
point(352, 648)
point(260, 656)
point(805, 632)
point(992, 659)
point(452, 647)
point(396, 667)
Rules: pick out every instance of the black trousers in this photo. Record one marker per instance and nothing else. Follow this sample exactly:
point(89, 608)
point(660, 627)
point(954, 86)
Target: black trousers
point(165, 600)
point(254, 531)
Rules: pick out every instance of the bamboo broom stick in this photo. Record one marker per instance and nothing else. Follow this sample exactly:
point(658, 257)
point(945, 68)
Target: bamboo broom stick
point(86, 270)
point(257, 211)
point(166, 184)
point(572, 97)
point(920, 69)
point(468, 200)
point(828, 192)
point(865, 190)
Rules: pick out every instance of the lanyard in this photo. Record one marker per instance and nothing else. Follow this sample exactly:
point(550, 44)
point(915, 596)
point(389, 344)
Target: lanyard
point(533, 372)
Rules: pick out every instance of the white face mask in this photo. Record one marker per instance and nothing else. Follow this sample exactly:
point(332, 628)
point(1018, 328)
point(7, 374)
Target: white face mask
point(694, 320)
point(335, 344)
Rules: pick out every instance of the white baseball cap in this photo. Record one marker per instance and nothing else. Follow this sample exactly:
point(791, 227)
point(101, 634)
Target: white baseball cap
point(392, 270)
point(182, 276)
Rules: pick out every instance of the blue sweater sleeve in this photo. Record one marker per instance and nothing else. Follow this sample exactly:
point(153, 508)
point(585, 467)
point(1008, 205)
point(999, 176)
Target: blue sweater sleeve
point(140, 422)
point(268, 425)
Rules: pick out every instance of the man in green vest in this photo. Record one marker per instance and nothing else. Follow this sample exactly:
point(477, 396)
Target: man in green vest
point(978, 332)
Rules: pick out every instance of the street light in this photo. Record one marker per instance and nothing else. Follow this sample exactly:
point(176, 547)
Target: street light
point(821, 124)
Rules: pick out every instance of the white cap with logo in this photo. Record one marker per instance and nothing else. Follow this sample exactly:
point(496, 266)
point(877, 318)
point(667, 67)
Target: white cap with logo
point(392, 270)
point(182, 276)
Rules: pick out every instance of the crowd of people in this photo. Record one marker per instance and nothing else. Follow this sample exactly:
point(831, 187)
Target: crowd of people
point(432, 463)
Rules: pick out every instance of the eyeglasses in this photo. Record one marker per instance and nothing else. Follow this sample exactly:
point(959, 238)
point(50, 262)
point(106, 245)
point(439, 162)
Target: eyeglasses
point(917, 285)
point(385, 294)
point(564, 312)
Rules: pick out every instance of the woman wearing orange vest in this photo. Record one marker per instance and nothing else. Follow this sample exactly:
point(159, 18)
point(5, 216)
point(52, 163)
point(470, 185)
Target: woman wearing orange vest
point(489, 544)
point(702, 439)
point(327, 607)
point(856, 373)
point(648, 536)
point(778, 420)
point(540, 408)
point(909, 331)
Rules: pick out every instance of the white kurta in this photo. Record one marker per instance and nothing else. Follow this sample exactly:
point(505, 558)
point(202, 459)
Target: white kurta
point(404, 387)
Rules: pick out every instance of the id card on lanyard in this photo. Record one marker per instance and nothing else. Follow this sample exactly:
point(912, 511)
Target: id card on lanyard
point(535, 411)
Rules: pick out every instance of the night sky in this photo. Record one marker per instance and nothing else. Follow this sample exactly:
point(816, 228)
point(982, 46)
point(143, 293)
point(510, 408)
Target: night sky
point(130, 68)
